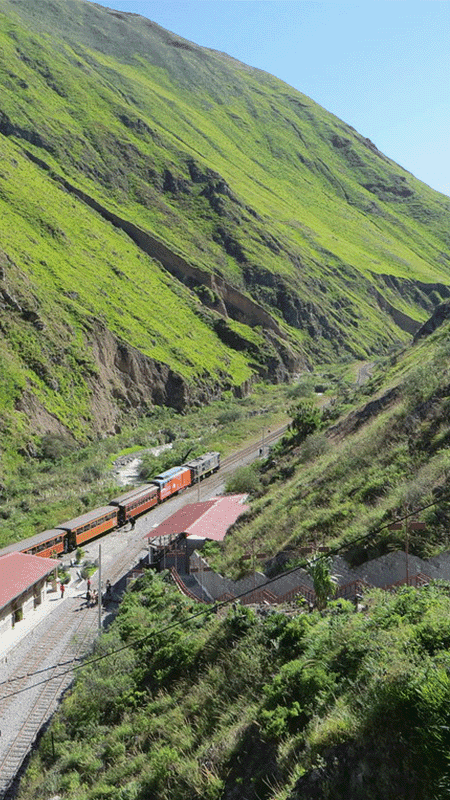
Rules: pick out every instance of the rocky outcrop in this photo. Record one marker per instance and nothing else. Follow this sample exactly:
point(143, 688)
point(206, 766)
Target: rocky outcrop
point(359, 417)
point(404, 322)
point(440, 315)
point(130, 383)
point(123, 385)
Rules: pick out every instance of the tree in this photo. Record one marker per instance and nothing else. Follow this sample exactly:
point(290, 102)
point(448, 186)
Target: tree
point(306, 419)
point(319, 569)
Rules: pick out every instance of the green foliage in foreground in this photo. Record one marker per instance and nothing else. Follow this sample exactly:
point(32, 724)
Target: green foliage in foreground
point(275, 707)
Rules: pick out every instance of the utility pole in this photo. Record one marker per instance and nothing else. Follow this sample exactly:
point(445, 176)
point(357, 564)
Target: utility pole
point(253, 566)
point(408, 526)
point(99, 588)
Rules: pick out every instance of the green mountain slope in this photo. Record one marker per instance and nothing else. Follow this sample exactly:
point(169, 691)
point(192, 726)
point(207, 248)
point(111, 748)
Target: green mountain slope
point(175, 223)
point(180, 704)
point(225, 701)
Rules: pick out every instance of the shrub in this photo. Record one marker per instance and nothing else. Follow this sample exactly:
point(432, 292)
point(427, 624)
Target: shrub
point(54, 447)
point(244, 479)
point(306, 419)
point(294, 695)
point(314, 446)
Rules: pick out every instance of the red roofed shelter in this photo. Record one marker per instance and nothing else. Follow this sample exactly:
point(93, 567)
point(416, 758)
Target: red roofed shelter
point(195, 523)
point(22, 586)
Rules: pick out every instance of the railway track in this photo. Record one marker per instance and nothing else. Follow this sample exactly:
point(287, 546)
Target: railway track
point(42, 676)
point(232, 462)
point(43, 672)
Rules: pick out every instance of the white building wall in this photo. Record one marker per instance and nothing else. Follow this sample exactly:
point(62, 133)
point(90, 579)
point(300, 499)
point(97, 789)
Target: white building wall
point(26, 602)
point(5, 620)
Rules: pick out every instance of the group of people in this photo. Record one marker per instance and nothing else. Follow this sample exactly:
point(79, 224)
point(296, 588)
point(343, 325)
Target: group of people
point(91, 595)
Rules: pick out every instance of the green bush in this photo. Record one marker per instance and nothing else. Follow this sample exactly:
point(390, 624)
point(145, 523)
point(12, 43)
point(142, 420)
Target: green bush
point(54, 447)
point(291, 699)
point(244, 479)
point(306, 419)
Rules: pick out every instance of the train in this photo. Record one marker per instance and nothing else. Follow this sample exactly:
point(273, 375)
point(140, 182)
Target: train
point(67, 536)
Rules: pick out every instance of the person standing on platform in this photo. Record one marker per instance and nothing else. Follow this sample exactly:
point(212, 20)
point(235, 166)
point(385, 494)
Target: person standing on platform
point(63, 588)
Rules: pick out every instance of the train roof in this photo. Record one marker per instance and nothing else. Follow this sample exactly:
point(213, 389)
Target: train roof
point(199, 460)
point(90, 516)
point(169, 473)
point(25, 544)
point(122, 498)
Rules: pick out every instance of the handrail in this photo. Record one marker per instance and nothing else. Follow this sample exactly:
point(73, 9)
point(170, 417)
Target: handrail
point(183, 588)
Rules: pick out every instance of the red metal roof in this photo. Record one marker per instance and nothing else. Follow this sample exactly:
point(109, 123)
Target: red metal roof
point(208, 520)
point(20, 571)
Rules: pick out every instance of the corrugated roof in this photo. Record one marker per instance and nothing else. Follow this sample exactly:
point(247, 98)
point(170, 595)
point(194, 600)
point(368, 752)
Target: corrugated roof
point(19, 571)
point(210, 519)
point(131, 493)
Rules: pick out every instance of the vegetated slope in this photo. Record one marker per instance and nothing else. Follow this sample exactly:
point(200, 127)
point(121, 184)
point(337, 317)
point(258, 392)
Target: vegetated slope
point(290, 705)
point(261, 707)
point(175, 223)
point(379, 452)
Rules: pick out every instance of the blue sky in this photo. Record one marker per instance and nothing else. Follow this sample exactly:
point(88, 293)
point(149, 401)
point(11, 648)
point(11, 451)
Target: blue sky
point(382, 66)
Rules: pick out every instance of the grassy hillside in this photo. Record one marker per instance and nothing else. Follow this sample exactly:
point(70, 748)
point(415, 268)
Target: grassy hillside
point(198, 214)
point(270, 707)
point(281, 704)
point(378, 452)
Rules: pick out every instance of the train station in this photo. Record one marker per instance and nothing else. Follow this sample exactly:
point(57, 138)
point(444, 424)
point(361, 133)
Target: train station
point(175, 539)
point(23, 586)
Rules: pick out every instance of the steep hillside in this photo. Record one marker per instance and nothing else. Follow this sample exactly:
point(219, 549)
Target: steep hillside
point(374, 454)
point(180, 703)
point(175, 223)
point(276, 703)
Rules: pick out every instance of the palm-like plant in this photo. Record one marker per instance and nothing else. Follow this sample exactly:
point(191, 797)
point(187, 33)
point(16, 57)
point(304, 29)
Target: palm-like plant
point(319, 569)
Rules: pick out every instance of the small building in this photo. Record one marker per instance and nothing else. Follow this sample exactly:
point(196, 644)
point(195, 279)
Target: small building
point(23, 581)
point(192, 525)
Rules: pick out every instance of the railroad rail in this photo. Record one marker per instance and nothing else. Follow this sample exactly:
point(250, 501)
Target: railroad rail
point(60, 644)
point(44, 682)
point(37, 677)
